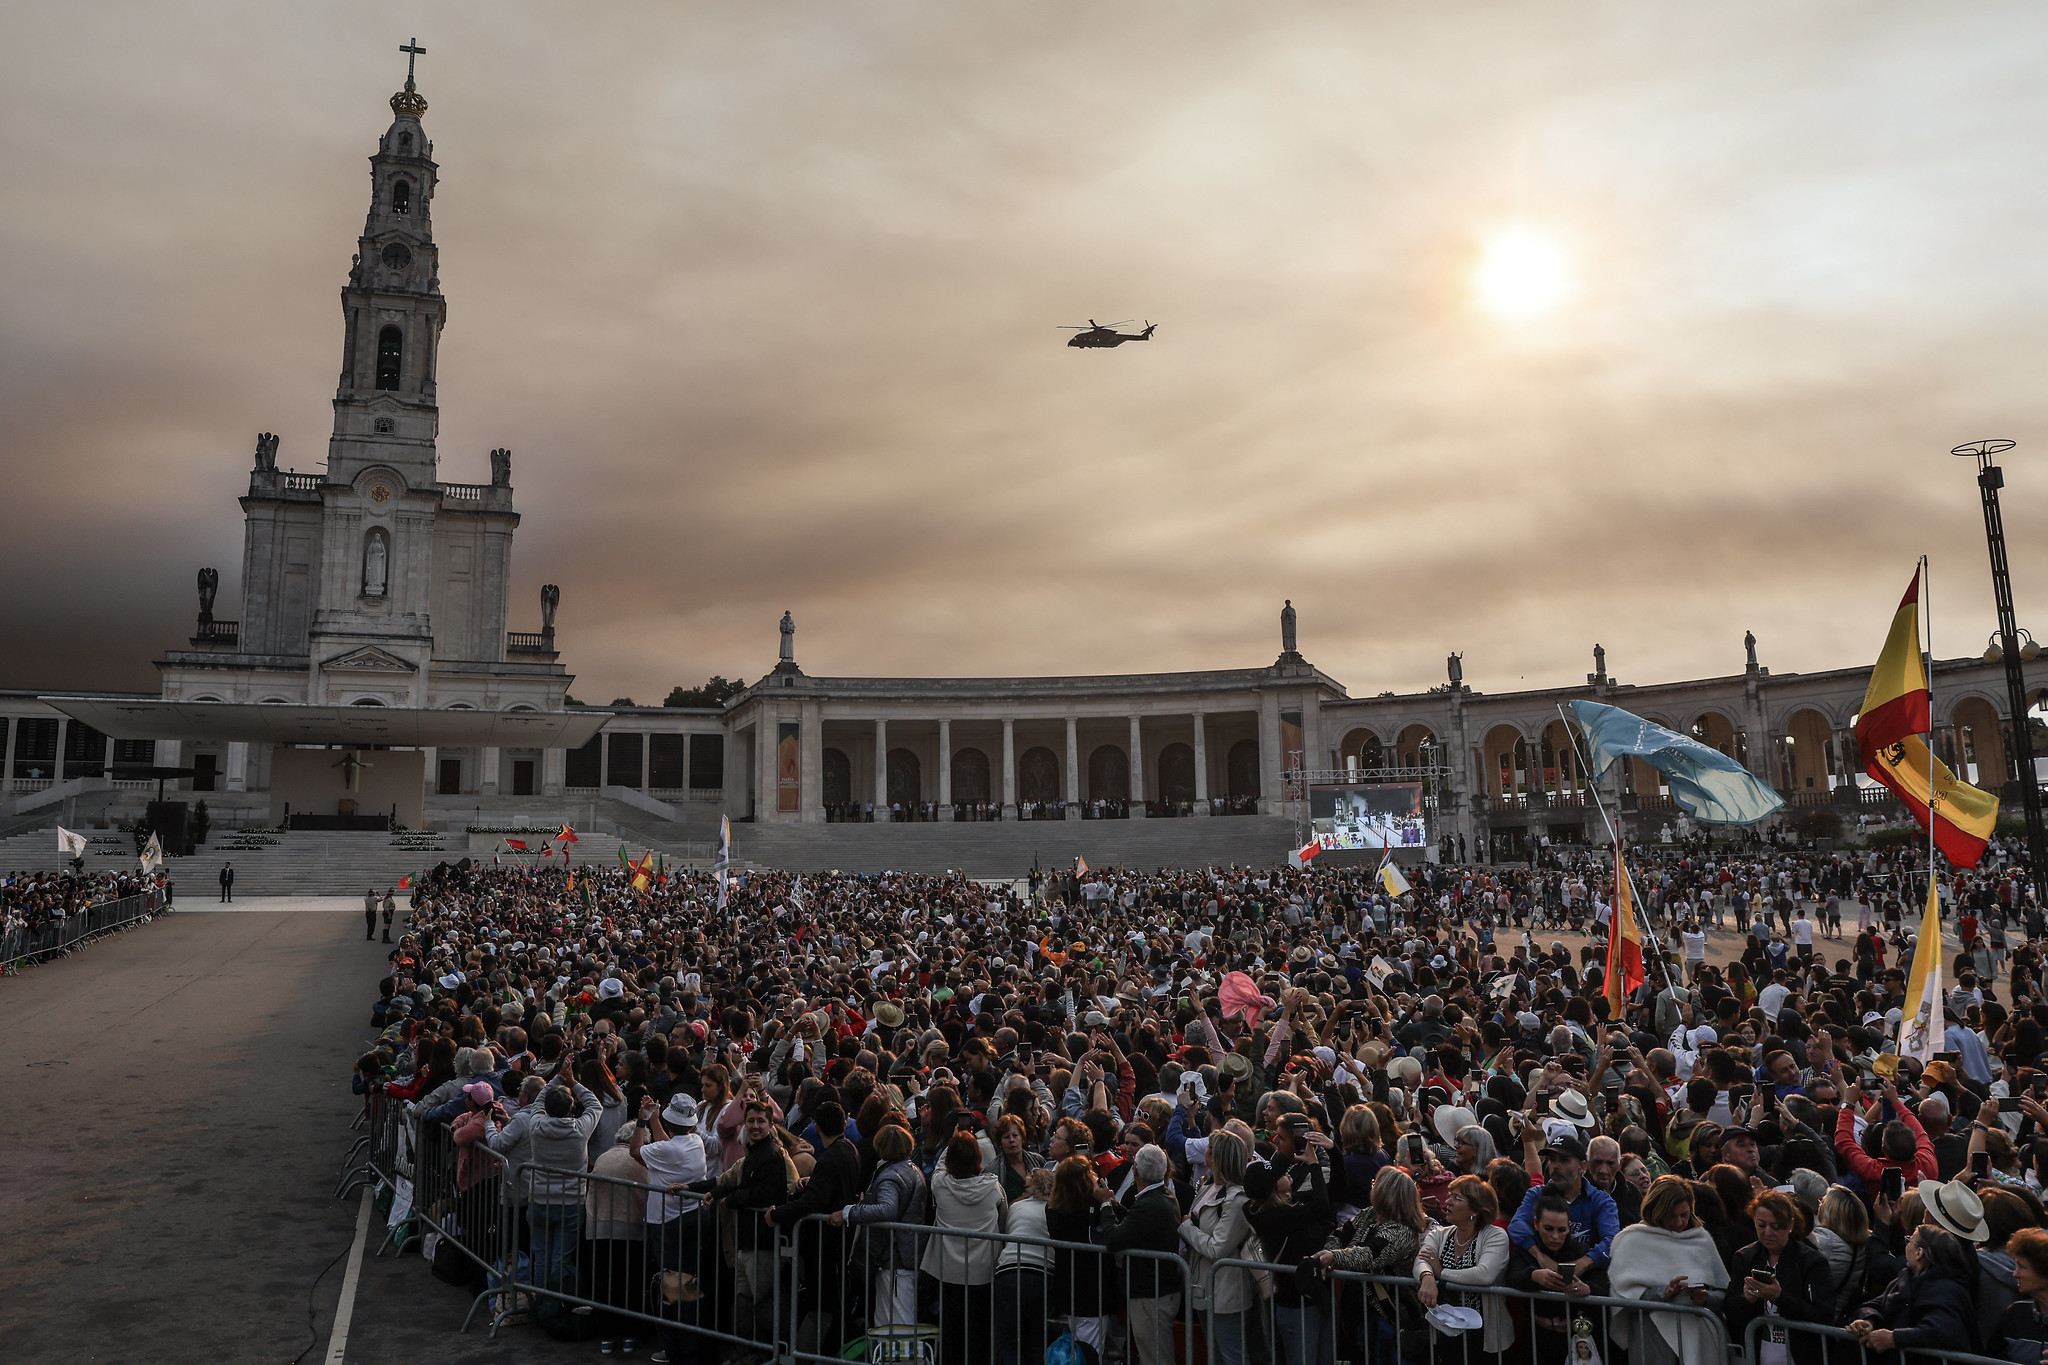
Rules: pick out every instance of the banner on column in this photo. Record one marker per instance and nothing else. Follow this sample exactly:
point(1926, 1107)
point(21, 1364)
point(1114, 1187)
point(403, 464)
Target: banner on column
point(1293, 753)
point(788, 766)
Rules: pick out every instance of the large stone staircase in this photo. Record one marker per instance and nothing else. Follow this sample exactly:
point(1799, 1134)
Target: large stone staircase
point(1008, 848)
point(328, 863)
point(299, 862)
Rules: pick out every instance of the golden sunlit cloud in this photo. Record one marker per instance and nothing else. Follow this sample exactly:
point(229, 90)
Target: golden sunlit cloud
point(1522, 273)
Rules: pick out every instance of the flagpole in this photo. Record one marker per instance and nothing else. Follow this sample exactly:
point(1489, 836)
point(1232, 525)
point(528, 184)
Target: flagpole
point(1933, 892)
point(1635, 892)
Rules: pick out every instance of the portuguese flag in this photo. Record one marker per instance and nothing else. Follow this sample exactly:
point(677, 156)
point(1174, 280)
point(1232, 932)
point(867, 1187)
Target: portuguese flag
point(1896, 715)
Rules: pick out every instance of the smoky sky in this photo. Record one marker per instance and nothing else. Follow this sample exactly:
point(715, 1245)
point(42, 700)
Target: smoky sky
point(764, 299)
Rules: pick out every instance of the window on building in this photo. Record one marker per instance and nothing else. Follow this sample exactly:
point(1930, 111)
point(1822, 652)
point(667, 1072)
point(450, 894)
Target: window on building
point(584, 767)
point(390, 357)
point(139, 752)
point(205, 768)
point(85, 751)
point(401, 196)
point(665, 761)
point(35, 747)
point(405, 142)
point(707, 763)
point(624, 768)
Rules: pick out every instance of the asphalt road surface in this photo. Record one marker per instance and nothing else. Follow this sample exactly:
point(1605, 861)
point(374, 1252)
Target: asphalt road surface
point(169, 1154)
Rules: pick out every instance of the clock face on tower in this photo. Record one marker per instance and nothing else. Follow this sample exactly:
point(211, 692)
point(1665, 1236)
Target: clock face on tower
point(397, 255)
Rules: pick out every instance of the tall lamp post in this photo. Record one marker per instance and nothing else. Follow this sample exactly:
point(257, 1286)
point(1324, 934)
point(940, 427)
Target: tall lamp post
point(1990, 478)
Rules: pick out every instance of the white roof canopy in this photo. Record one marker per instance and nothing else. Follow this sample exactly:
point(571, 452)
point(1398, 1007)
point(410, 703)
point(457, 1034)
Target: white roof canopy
point(292, 723)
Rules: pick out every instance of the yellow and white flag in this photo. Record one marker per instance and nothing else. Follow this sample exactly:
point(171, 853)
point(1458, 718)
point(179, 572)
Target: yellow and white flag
point(69, 843)
point(152, 855)
point(1392, 880)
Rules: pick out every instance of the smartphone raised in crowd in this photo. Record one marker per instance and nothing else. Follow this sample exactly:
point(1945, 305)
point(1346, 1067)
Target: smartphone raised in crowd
point(1892, 1185)
point(1980, 1164)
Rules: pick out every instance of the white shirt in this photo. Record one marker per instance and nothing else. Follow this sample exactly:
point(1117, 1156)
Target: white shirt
point(1695, 947)
point(1802, 932)
point(1771, 999)
point(677, 1161)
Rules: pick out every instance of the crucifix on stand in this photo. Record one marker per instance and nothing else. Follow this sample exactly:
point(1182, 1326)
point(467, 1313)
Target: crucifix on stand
point(352, 767)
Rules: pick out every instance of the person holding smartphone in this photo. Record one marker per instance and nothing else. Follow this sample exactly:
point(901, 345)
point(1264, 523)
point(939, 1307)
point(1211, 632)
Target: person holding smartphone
point(1779, 1276)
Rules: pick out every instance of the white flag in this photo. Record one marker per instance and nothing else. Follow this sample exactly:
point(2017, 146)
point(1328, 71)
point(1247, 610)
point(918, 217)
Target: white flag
point(1925, 1033)
point(152, 855)
point(724, 855)
point(70, 844)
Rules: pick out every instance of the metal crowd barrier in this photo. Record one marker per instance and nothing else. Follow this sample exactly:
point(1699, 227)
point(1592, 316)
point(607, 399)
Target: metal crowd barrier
point(642, 1261)
point(1831, 1345)
point(58, 937)
point(1379, 1320)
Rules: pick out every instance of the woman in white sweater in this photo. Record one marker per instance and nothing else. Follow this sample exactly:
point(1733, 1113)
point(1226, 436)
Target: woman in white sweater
point(967, 1198)
point(1215, 1230)
point(1470, 1251)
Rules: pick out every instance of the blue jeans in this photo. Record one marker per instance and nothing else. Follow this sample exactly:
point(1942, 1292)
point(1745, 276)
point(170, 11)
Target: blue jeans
point(555, 1229)
point(1304, 1334)
point(1226, 1338)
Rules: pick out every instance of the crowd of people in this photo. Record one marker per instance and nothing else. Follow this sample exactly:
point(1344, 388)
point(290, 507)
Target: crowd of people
point(1096, 1081)
point(32, 903)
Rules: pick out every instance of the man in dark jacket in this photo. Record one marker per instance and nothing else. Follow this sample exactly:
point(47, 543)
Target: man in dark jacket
point(1146, 1220)
point(759, 1182)
point(821, 1248)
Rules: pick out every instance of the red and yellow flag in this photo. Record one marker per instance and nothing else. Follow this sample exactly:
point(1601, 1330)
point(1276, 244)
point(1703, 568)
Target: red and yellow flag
point(1963, 816)
point(1896, 714)
point(1895, 704)
point(1624, 943)
point(643, 872)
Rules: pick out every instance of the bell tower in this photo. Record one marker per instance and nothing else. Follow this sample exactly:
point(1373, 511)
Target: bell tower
point(385, 410)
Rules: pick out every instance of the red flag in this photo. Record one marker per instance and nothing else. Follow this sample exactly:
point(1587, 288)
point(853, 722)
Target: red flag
point(1624, 943)
point(405, 882)
point(567, 836)
point(519, 844)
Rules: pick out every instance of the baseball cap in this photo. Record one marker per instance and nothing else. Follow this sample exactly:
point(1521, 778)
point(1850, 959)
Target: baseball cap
point(1566, 1145)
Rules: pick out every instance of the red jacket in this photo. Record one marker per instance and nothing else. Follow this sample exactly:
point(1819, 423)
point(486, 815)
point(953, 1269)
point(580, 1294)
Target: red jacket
point(1871, 1169)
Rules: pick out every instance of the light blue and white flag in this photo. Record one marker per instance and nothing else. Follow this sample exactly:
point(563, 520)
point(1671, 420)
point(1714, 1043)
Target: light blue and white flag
point(1709, 784)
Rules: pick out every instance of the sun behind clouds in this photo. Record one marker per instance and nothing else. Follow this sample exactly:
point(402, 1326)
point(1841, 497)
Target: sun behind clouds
point(1523, 273)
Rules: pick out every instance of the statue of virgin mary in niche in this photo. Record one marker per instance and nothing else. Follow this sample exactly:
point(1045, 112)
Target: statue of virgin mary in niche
point(374, 566)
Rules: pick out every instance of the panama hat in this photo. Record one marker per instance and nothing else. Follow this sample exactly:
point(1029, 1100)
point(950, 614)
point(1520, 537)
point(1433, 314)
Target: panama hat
point(1571, 1106)
point(1954, 1208)
point(1450, 1118)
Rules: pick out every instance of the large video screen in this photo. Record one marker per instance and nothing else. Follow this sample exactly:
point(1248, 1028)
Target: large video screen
point(1372, 815)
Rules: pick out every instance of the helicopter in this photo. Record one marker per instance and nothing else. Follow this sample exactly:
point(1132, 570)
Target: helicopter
point(1095, 334)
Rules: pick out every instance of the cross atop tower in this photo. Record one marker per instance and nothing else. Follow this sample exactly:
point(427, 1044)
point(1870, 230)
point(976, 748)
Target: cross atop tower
point(413, 52)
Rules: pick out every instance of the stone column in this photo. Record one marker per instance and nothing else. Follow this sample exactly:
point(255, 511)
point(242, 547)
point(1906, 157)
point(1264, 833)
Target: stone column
point(1009, 770)
point(1137, 770)
point(1201, 766)
point(63, 743)
point(881, 771)
point(945, 770)
point(810, 766)
point(489, 785)
point(1073, 787)
point(553, 763)
point(169, 754)
point(1272, 787)
point(430, 756)
point(238, 765)
point(604, 759)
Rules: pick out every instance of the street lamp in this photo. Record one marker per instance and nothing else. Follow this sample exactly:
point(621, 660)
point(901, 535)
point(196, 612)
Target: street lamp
point(1990, 478)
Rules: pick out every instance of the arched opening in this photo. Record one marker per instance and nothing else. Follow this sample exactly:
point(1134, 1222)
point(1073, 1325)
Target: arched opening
point(1177, 774)
point(405, 142)
point(1038, 776)
point(401, 196)
point(1362, 749)
point(1415, 747)
point(970, 776)
point(390, 357)
point(1505, 762)
point(906, 778)
point(838, 778)
point(1241, 771)
point(1715, 731)
point(1109, 775)
point(1980, 743)
point(1807, 758)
